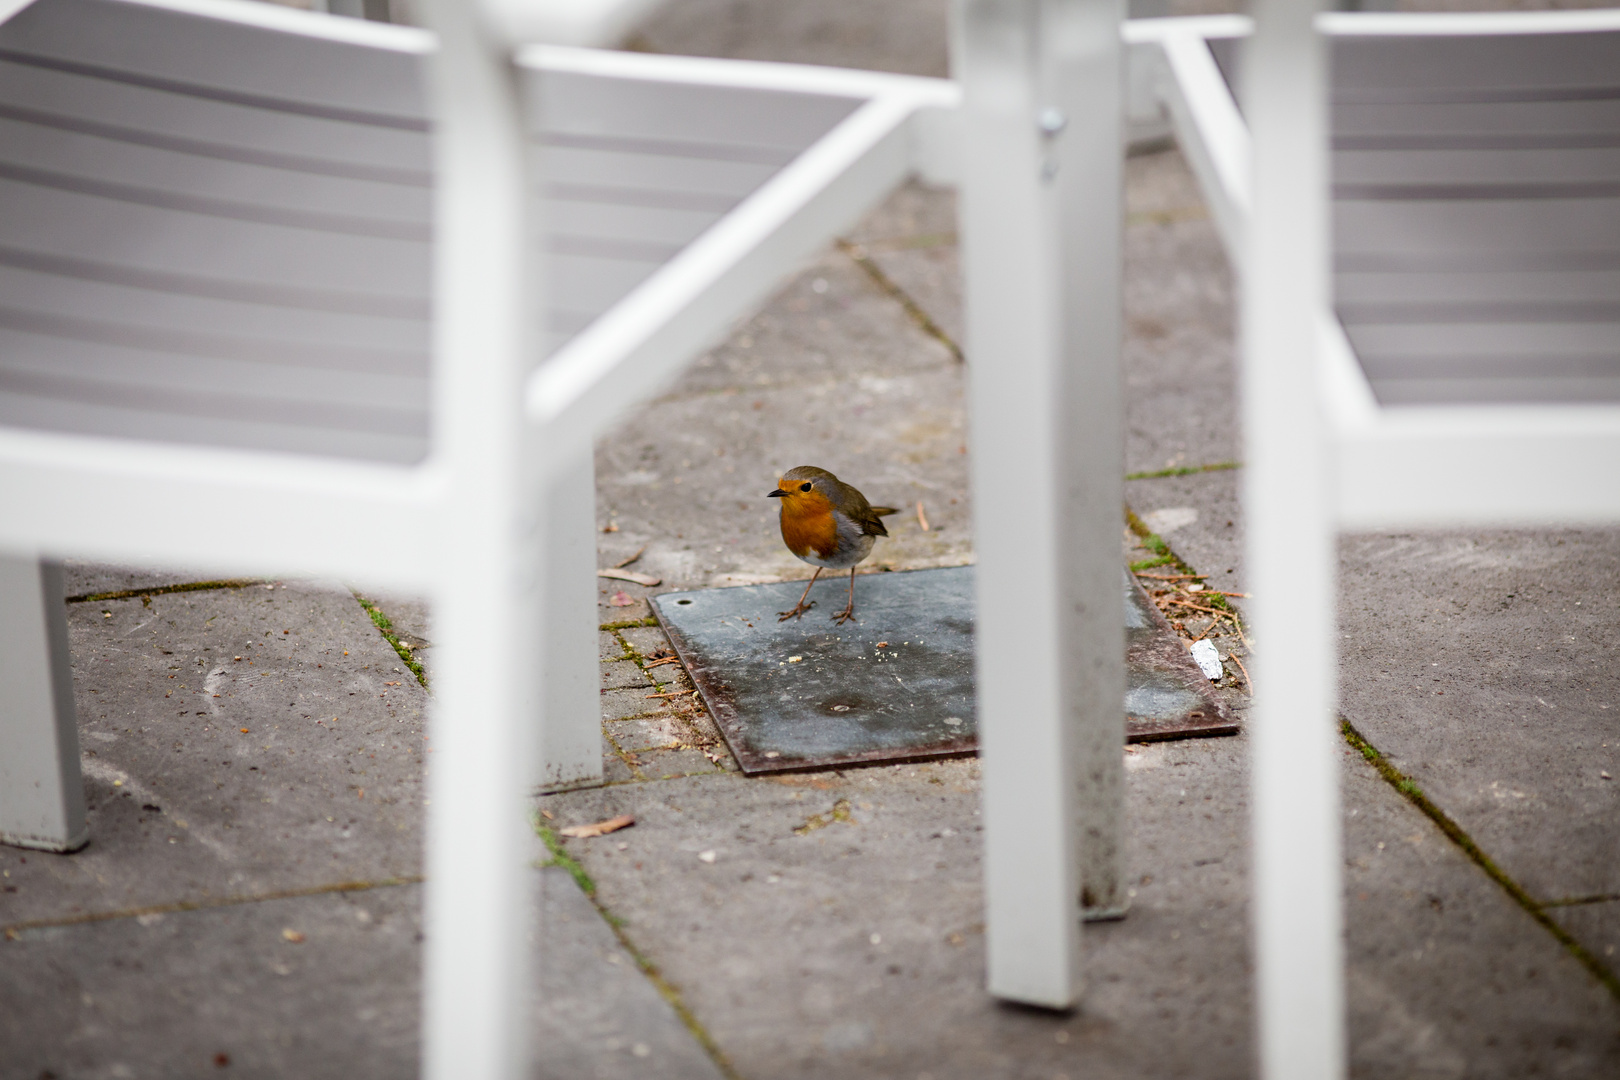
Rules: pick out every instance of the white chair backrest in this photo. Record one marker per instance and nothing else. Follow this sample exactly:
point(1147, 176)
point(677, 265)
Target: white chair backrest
point(216, 235)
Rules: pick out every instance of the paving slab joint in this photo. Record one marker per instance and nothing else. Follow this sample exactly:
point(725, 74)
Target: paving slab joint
point(161, 590)
point(914, 310)
point(628, 624)
point(1185, 470)
point(1454, 832)
point(13, 931)
point(386, 628)
point(667, 990)
point(1164, 555)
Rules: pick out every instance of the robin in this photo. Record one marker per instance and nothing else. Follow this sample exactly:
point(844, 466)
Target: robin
point(826, 523)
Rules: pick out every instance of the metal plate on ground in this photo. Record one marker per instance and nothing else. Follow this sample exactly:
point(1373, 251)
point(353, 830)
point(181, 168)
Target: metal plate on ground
point(896, 685)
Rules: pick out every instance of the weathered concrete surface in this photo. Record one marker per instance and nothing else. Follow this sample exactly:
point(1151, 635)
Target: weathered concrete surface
point(325, 985)
point(324, 784)
point(1482, 664)
point(838, 931)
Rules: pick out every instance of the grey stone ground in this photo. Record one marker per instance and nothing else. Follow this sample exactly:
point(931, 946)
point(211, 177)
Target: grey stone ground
point(242, 897)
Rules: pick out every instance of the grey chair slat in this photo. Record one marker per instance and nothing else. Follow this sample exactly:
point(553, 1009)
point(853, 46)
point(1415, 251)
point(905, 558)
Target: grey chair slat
point(1477, 226)
point(1483, 67)
point(36, 217)
point(616, 170)
point(1501, 287)
point(317, 395)
point(585, 284)
point(294, 329)
point(1485, 125)
point(655, 226)
point(270, 352)
point(1479, 169)
point(694, 118)
point(216, 234)
point(212, 127)
point(230, 60)
point(1537, 389)
point(99, 411)
point(390, 207)
point(1488, 341)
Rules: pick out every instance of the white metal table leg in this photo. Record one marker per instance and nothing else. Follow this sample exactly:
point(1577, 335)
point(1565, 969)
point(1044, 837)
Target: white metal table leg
point(571, 735)
point(1289, 505)
point(1044, 385)
point(41, 792)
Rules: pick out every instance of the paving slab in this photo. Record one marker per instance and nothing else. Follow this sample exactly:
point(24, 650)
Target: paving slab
point(831, 924)
point(1481, 664)
point(235, 741)
point(323, 985)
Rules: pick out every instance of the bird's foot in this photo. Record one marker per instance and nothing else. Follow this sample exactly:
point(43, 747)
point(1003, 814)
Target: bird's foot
point(847, 615)
point(798, 609)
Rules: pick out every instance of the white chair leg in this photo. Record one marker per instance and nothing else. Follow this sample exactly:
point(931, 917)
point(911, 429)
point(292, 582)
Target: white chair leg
point(488, 691)
point(1299, 962)
point(571, 736)
point(1041, 137)
point(41, 792)
point(1086, 80)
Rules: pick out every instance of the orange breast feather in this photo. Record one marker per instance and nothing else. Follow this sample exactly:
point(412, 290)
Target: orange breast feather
point(807, 522)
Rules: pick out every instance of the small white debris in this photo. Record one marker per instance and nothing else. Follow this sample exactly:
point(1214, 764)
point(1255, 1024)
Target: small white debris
point(1207, 659)
point(708, 856)
point(876, 939)
point(955, 721)
point(794, 659)
point(1604, 773)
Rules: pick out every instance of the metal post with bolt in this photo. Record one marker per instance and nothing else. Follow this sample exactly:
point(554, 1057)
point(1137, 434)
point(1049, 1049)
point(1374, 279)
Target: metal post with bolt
point(1040, 209)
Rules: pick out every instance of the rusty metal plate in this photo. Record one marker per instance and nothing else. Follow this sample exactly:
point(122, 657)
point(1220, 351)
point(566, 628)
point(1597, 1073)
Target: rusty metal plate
point(898, 684)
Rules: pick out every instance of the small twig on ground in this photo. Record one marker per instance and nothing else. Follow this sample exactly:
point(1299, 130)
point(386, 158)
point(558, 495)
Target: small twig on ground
point(660, 663)
point(1217, 592)
point(1171, 577)
point(1239, 663)
point(673, 693)
point(629, 575)
point(1196, 607)
point(922, 518)
point(622, 563)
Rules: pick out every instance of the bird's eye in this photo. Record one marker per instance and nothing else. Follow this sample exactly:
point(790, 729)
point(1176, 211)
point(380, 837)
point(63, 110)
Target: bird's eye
point(804, 487)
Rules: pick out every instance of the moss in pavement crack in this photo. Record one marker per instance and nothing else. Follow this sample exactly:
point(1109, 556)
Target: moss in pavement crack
point(386, 628)
point(666, 989)
point(160, 590)
point(629, 624)
point(1184, 470)
point(1165, 556)
point(1454, 832)
point(883, 281)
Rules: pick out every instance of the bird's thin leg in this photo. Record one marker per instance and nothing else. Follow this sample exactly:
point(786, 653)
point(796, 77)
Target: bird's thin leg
point(849, 610)
point(801, 607)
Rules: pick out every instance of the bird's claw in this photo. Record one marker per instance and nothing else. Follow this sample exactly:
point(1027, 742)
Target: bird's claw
point(847, 615)
point(798, 610)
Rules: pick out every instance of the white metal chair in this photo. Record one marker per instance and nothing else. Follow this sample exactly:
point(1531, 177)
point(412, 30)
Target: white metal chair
point(1446, 359)
point(236, 264)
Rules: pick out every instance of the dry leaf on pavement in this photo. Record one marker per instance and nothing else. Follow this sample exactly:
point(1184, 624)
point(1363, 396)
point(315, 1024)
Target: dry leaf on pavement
point(600, 828)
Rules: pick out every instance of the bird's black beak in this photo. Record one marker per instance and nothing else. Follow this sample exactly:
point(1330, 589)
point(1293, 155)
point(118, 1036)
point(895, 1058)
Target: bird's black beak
point(777, 494)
